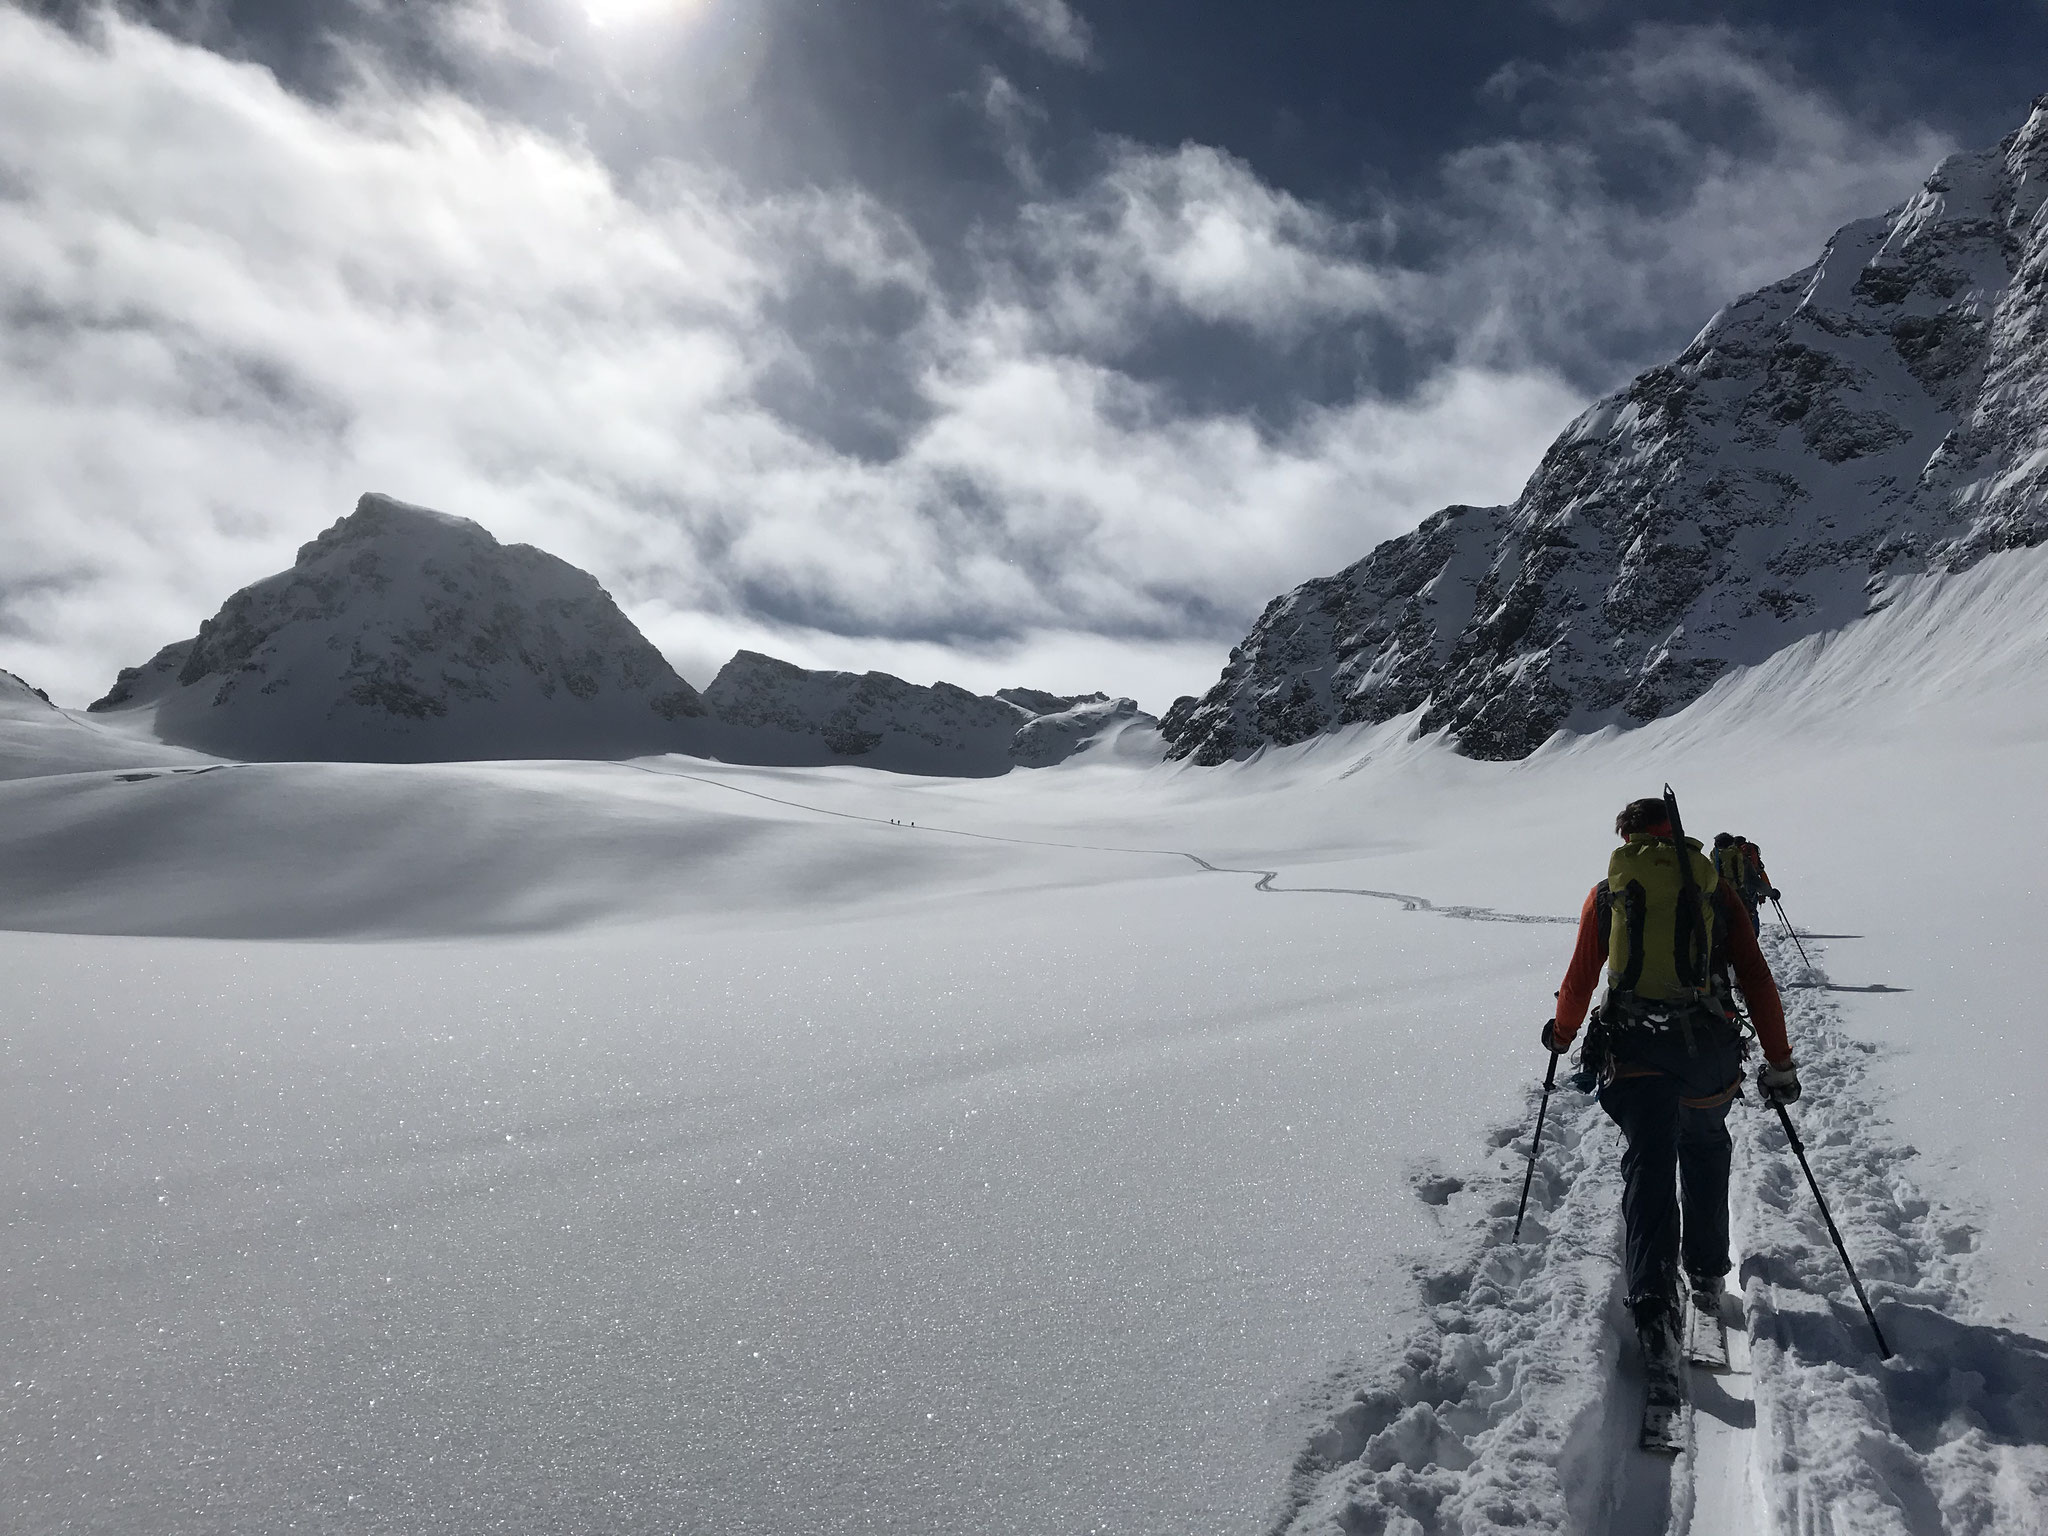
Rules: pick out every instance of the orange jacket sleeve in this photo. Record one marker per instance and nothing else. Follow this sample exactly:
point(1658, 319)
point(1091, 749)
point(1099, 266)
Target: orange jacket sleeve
point(1753, 975)
point(1583, 975)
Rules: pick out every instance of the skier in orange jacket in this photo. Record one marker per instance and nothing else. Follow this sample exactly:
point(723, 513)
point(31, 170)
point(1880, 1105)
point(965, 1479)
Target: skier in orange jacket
point(1668, 1056)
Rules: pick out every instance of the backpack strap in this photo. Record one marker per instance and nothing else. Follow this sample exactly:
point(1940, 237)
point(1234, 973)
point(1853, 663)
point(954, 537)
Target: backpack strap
point(1634, 903)
point(1686, 959)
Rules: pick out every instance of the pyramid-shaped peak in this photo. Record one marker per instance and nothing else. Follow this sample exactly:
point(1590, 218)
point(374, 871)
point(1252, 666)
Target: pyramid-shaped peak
point(386, 519)
point(405, 634)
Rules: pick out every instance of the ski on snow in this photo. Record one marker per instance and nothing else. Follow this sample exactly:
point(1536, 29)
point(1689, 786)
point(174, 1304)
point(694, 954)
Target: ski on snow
point(1664, 1428)
point(1667, 1413)
point(1666, 1401)
point(1706, 1336)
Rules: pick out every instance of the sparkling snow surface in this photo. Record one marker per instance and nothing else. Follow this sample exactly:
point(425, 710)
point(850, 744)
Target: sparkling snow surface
point(585, 1147)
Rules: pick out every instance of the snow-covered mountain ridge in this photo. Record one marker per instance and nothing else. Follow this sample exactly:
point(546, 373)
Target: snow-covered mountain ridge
point(1880, 413)
point(773, 712)
point(402, 634)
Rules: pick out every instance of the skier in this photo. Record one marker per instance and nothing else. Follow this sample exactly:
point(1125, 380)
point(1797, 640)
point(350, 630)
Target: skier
point(1740, 863)
point(1667, 1051)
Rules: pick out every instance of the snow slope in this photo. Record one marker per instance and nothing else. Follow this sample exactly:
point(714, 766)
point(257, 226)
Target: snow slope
point(683, 1146)
point(1879, 413)
point(37, 737)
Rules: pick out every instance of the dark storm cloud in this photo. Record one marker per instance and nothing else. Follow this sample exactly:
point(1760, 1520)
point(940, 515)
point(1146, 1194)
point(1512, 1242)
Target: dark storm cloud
point(979, 337)
point(956, 113)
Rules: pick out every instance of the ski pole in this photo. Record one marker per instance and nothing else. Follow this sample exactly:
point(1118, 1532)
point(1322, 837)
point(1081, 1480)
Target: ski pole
point(1790, 932)
point(1549, 1082)
point(1884, 1350)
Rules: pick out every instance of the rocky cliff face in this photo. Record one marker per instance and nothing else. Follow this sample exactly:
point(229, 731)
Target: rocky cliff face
point(402, 634)
point(1880, 413)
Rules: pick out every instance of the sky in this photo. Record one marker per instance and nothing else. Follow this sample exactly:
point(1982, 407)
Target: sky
point(1032, 342)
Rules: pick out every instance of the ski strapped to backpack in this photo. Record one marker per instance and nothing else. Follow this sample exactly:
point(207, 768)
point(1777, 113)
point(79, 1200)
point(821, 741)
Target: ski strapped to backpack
point(1695, 901)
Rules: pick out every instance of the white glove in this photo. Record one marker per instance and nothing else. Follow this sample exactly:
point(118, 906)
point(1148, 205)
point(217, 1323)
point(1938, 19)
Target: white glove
point(1778, 1085)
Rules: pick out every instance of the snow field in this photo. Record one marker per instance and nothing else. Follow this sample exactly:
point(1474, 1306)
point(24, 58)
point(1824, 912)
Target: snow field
point(1021, 1209)
point(684, 1146)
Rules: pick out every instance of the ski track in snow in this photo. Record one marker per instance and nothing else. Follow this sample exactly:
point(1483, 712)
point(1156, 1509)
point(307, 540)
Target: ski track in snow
point(1266, 876)
point(1514, 1405)
point(1723, 1466)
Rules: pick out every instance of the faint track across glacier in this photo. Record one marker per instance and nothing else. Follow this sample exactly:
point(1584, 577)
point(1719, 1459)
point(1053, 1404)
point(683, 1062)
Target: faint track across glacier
point(1514, 1404)
point(1266, 877)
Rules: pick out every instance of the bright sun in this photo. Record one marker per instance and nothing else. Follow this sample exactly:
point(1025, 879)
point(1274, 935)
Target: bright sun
point(624, 13)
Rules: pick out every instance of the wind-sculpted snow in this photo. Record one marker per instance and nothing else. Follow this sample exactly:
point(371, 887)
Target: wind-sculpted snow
point(1264, 884)
point(404, 635)
point(1099, 725)
point(16, 694)
point(1880, 413)
point(36, 737)
point(1513, 1406)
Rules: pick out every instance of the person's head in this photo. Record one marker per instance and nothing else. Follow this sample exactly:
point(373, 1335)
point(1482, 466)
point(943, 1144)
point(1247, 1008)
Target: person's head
point(1642, 816)
point(1723, 839)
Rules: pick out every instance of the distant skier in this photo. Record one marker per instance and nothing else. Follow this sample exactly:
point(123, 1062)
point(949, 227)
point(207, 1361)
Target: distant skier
point(1667, 1052)
point(1740, 863)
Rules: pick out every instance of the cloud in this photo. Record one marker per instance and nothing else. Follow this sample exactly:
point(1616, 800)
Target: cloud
point(1051, 26)
point(1013, 118)
point(235, 311)
point(779, 419)
point(1194, 231)
point(1647, 185)
point(1658, 179)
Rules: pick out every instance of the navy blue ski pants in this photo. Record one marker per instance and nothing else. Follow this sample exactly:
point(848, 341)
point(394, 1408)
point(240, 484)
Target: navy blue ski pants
point(1677, 1160)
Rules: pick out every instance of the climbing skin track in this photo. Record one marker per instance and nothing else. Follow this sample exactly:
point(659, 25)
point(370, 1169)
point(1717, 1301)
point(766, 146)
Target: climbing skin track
point(1513, 1406)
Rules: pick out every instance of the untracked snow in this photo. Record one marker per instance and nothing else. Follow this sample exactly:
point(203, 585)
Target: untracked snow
point(656, 1146)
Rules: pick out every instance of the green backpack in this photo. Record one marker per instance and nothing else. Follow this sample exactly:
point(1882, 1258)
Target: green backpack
point(1735, 866)
point(1659, 935)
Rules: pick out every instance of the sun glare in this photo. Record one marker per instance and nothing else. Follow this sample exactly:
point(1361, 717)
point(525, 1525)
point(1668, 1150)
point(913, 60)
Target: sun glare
point(627, 13)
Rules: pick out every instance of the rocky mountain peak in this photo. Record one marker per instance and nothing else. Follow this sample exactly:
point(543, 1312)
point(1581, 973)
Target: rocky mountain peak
point(403, 633)
point(1881, 412)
